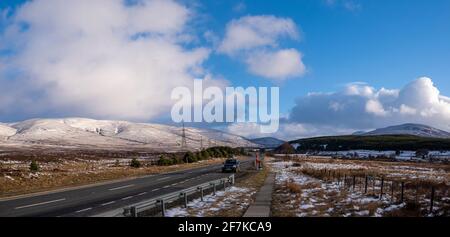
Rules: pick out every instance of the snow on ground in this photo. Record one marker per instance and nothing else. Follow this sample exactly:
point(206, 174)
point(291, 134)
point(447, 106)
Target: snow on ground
point(389, 170)
point(404, 155)
point(233, 197)
point(314, 197)
point(364, 154)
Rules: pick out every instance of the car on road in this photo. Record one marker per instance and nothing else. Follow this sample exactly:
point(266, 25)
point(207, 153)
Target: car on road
point(231, 165)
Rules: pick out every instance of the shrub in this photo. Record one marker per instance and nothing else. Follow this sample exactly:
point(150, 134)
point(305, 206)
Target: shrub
point(34, 166)
point(205, 154)
point(135, 163)
point(164, 161)
point(176, 159)
point(189, 157)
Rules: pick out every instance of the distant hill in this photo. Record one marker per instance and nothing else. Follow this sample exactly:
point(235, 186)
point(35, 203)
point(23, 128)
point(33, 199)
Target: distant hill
point(268, 142)
point(82, 133)
point(285, 148)
point(372, 142)
point(359, 133)
point(408, 129)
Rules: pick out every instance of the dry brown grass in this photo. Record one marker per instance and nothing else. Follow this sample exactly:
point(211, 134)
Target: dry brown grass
point(293, 187)
point(341, 203)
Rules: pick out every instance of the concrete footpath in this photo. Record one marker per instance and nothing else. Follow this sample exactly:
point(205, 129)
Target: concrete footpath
point(263, 200)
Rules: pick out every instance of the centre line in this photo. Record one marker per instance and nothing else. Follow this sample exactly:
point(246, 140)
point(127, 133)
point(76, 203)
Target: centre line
point(164, 178)
point(83, 210)
point(41, 203)
point(108, 203)
point(126, 186)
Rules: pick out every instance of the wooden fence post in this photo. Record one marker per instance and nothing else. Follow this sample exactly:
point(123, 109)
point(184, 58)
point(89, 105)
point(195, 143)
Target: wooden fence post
point(374, 180)
point(403, 189)
point(381, 191)
point(417, 193)
point(354, 180)
point(365, 186)
point(431, 199)
point(392, 191)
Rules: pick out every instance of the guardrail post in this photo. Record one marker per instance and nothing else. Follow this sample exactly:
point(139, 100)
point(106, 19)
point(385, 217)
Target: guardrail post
point(214, 188)
point(133, 212)
point(232, 179)
point(185, 197)
point(201, 193)
point(163, 207)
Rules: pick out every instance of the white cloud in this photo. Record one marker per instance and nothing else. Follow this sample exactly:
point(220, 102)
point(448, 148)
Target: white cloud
point(360, 106)
point(375, 107)
point(280, 64)
point(100, 58)
point(256, 39)
point(250, 32)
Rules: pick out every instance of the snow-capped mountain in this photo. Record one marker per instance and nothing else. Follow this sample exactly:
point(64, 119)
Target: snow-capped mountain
point(410, 129)
point(103, 134)
point(268, 142)
point(6, 131)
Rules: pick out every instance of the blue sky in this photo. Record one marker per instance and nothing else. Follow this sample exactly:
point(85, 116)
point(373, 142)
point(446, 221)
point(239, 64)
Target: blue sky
point(385, 43)
point(382, 43)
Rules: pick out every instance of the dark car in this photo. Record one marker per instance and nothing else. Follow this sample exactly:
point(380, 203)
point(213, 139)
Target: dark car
point(231, 165)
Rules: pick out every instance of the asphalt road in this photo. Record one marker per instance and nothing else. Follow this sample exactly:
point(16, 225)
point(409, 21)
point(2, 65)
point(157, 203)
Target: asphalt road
point(93, 200)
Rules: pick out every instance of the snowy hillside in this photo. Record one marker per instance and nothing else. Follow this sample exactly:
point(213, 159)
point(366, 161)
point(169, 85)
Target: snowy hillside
point(89, 133)
point(268, 142)
point(6, 131)
point(410, 129)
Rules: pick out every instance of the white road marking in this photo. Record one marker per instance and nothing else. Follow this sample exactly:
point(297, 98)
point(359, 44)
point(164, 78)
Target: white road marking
point(108, 203)
point(122, 187)
point(156, 189)
point(167, 186)
point(83, 210)
point(126, 198)
point(41, 203)
point(142, 193)
point(164, 178)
